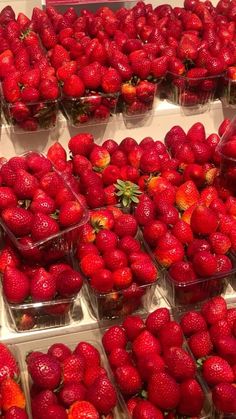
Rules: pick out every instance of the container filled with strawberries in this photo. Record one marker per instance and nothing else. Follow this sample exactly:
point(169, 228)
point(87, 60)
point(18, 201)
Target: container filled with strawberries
point(71, 380)
point(40, 217)
point(120, 276)
point(227, 88)
point(227, 151)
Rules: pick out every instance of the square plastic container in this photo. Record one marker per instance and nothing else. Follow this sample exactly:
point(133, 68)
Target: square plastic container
point(59, 244)
point(44, 315)
point(227, 92)
point(120, 411)
point(138, 103)
point(179, 294)
point(94, 109)
point(194, 95)
point(31, 117)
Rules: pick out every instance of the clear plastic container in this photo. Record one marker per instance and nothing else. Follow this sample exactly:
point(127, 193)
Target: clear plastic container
point(227, 151)
point(31, 117)
point(228, 92)
point(59, 244)
point(40, 316)
point(194, 95)
point(94, 109)
point(72, 340)
point(140, 100)
point(179, 294)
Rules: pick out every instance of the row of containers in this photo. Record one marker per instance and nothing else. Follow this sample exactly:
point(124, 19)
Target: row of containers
point(193, 95)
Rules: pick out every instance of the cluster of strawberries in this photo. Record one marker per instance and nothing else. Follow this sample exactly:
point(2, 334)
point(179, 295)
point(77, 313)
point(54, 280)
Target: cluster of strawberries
point(13, 401)
point(119, 270)
point(36, 204)
point(70, 384)
point(107, 52)
point(154, 370)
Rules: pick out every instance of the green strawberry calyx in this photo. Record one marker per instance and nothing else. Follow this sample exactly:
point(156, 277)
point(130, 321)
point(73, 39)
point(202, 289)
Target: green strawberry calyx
point(127, 192)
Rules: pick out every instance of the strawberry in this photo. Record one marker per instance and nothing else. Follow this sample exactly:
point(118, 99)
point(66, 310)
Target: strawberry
point(111, 80)
point(45, 371)
point(81, 144)
point(145, 343)
point(195, 173)
point(224, 396)
point(71, 392)
point(125, 225)
point(71, 213)
point(102, 281)
point(11, 89)
point(114, 337)
point(144, 212)
point(203, 220)
point(183, 232)
point(153, 230)
point(217, 370)
point(73, 368)
point(8, 198)
point(42, 203)
point(16, 285)
point(170, 334)
point(73, 86)
point(18, 220)
point(90, 265)
point(163, 391)
point(214, 310)
point(8, 364)
point(204, 264)
point(186, 195)
point(200, 344)
point(146, 409)
point(82, 409)
point(42, 286)
point(38, 165)
point(56, 410)
point(179, 364)
point(128, 379)
point(145, 272)
point(226, 346)
point(96, 392)
point(169, 250)
point(92, 373)
point(122, 278)
point(192, 322)
point(25, 185)
point(191, 398)
point(133, 326)
point(41, 401)
point(115, 259)
point(220, 243)
point(89, 352)
point(51, 183)
point(8, 257)
point(12, 395)
point(16, 413)
point(43, 226)
point(59, 351)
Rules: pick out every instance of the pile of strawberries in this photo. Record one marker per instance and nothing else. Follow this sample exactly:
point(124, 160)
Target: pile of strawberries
point(119, 270)
point(155, 372)
point(95, 55)
point(13, 401)
point(70, 383)
point(152, 368)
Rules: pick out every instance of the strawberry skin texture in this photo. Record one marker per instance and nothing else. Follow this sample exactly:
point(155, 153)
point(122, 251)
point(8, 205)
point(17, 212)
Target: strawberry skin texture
point(12, 395)
point(18, 220)
point(8, 365)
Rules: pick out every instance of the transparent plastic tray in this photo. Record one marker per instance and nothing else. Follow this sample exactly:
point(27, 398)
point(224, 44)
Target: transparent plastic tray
point(71, 340)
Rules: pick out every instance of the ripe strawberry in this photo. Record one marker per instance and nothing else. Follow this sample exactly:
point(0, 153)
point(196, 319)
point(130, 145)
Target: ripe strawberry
point(8, 257)
point(179, 364)
point(45, 371)
point(214, 310)
point(42, 286)
point(43, 226)
point(11, 89)
point(226, 348)
point(16, 413)
point(129, 244)
point(217, 370)
point(133, 326)
point(191, 398)
point(156, 320)
point(89, 352)
point(114, 337)
point(183, 232)
point(163, 391)
point(92, 373)
point(169, 250)
point(25, 184)
point(145, 272)
point(145, 343)
point(51, 183)
point(197, 245)
point(144, 409)
point(102, 281)
point(111, 80)
point(102, 395)
point(18, 220)
point(38, 165)
point(128, 379)
point(82, 409)
point(73, 86)
point(196, 132)
point(8, 364)
point(41, 401)
point(224, 397)
point(195, 173)
point(16, 285)
point(170, 335)
point(90, 265)
point(8, 198)
point(153, 230)
point(59, 351)
point(204, 264)
point(203, 220)
point(200, 344)
point(223, 126)
point(11, 395)
point(186, 195)
point(125, 225)
point(73, 368)
point(192, 322)
point(71, 392)
point(115, 259)
point(68, 283)
point(55, 410)
point(144, 212)
point(71, 213)
point(122, 278)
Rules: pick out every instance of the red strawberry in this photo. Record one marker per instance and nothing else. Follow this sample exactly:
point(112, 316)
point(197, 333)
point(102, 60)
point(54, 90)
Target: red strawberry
point(25, 185)
point(8, 364)
point(115, 259)
point(191, 398)
point(214, 310)
point(92, 373)
point(145, 272)
point(89, 265)
point(144, 212)
point(170, 335)
point(71, 213)
point(59, 351)
point(203, 220)
point(111, 81)
point(71, 392)
point(56, 410)
point(183, 232)
point(226, 347)
point(200, 344)
point(102, 281)
point(145, 409)
point(45, 371)
point(157, 319)
point(153, 230)
point(217, 370)
point(163, 391)
point(73, 86)
point(204, 264)
point(133, 326)
point(18, 220)
point(81, 144)
point(122, 278)
point(149, 364)
point(169, 250)
point(8, 198)
point(73, 368)
point(102, 395)
point(128, 379)
point(129, 245)
point(89, 352)
point(179, 364)
point(68, 283)
point(145, 343)
point(192, 322)
point(197, 245)
point(114, 337)
point(51, 183)
point(125, 225)
point(224, 397)
point(16, 413)
point(11, 89)
point(82, 409)
point(8, 257)
point(42, 286)
point(16, 285)
point(41, 401)
point(186, 195)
